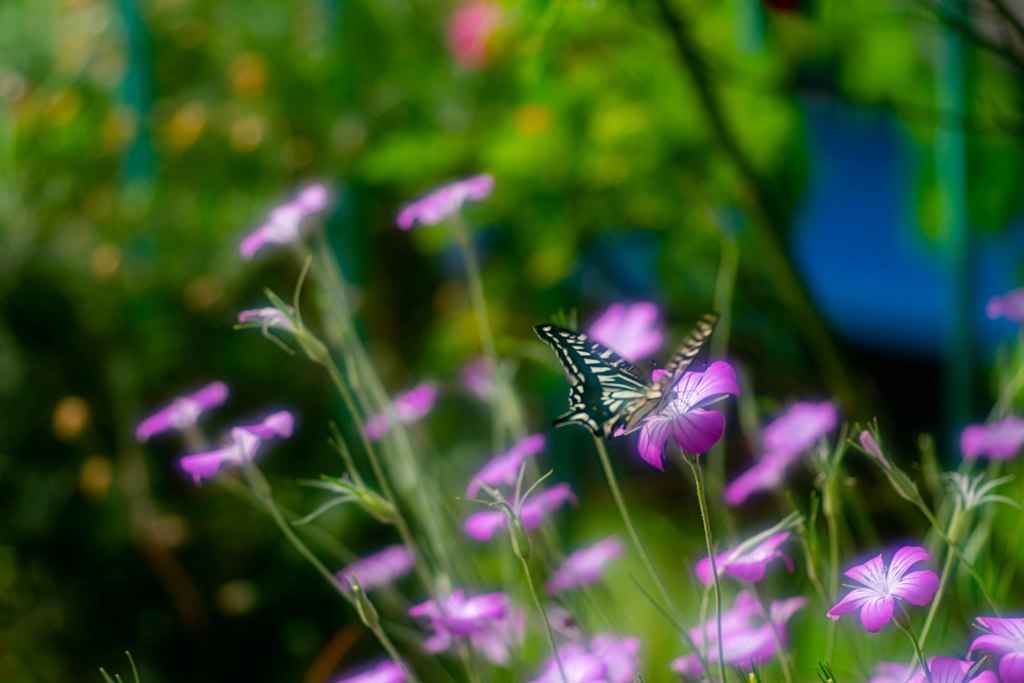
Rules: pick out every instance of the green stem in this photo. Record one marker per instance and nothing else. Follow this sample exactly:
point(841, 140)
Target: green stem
point(947, 565)
point(829, 510)
point(787, 662)
point(698, 477)
point(544, 614)
point(899, 621)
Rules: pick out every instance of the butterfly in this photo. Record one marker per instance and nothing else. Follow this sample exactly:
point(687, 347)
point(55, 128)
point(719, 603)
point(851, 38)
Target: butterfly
point(609, 395)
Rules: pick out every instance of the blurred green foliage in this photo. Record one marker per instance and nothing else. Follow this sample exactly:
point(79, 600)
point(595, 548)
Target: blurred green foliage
point(140, 139)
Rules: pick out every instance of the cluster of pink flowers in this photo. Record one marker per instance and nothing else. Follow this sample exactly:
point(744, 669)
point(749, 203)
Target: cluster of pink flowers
point(487, 622)
point(284, 224)
point(607, 658)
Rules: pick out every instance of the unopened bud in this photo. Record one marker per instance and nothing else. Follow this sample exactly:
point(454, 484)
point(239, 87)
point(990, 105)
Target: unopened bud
point(381, 509)
point(520, 539)
point(367, 612)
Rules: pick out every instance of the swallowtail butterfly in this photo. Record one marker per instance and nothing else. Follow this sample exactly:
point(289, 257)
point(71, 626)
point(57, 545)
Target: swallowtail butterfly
point(609, 395)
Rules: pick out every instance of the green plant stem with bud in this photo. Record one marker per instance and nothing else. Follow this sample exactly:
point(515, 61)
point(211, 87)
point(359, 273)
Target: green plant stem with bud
point(902, 622)
point(521, 547)
point(698, 476)
point(947, 565)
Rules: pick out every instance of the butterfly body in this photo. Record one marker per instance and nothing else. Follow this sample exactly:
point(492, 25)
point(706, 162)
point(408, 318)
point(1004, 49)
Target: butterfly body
point(609, 395)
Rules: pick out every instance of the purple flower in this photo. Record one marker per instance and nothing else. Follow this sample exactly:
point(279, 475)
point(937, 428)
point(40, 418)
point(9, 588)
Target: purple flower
point(267, 318)
point(1004, 637)
point(686, 418)
point(284, 223)
point(502, 470)
point(942, 669)
point(183, 412)
point(409, 407)
point(747, 634)
point(876, 600)
point(631, 330)
point(870, 445)
point(1009, 306)
point(442, 202)
point(584, 566)
point(478, 376)
point(487, 621)
point(747, 564)
point(380, 569)
point(482, 526)
point(785, 439)
point(245, 441)
point(891, 672)
point(999, 440)
point(608, 659)
point(385, 672)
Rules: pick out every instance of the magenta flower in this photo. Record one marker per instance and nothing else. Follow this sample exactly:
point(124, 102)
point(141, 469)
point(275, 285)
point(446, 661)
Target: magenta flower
point(183, 412)
point(487, 621)
point(631, 330)
point(584, 566)
point(409, 407)
point(942, 669)
point(444, 201)
point(502, 470)
point(747, 632)
point(1004, 637)
point(686, 417)
point(482, 526)
point(747, 563)
point(607, 659)
point(380, 569)
point(1009, 306)
point(469, 29)
point(999, 440)
point(876, 600)
point(891, 672)
point(785, 440)
point(245, 442)
point(478, 377)
point(385, 672)
point(284, 223)
point(268, 319)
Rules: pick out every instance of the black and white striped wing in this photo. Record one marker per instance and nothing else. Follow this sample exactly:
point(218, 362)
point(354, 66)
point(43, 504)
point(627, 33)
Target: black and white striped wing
point(603, 383)
point(658, 393)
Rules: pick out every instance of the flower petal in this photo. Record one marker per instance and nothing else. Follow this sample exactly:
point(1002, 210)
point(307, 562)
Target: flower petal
point(653, 435)
point(853, 600)
point(871, 574)
point(905, 558)
point(718, 380)
point(1011, 668)
point(917, 588)
point(876, 613)
point(698, 430)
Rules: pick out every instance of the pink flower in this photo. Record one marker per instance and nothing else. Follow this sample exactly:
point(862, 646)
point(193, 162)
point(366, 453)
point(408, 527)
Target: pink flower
point(268, 318)
point(584, 566)
point(409, 407)
point(482, 526)
point(245, 441)
point(478, 376)
point(1004, 637)
point(870, 444)
point(686, 418)
point(607, 659)
point(183, 412)
point(747, 564)
point(876, 600)
point(942, 669)
point(999, 440)
point(284, 223)
point(630, 330)
point(747, 634)
point(487, 621)
point(380, 569)
point(502, 470)
point(785, 439)
point(1009, 306)
point(385, 672)
point(444, 201)
point(469, 29)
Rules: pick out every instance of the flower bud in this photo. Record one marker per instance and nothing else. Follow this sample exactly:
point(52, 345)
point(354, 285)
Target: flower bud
point(367, 612)
point(520, 539)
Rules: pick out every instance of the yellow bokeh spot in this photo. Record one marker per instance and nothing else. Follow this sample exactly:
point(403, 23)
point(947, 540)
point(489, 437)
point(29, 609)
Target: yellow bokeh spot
point(236, 597)
point(119, 127)
point(202, 292)
point(105, 261)
point(247, 133)
point(532, 119)
point(70, 417)
point(95, 477)
point(186, 125)
point(248, 74)
point(64, 106)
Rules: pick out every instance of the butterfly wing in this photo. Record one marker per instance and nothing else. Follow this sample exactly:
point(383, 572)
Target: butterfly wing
point(603, 383)
point(659, 392)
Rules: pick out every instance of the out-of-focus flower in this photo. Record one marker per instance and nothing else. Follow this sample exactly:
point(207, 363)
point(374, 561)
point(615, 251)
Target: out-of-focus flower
point(1009, 306)
point(785, 440)
point(950, 670)
point(748, 634)
point(470, 28)
point(686, 417)
point(891, 672)
point(441, 203)
point(882, 586)
point(747, 563)
point(631, 330)
point(584, 566)
point(268, 318)
point(245, 441)
point(284, 223)
point(478, 376)
point(409, 407)
point(502, 470)
point(999, 440)
point(607, 659)
point(488, 621)
point(1004, 637)
point(870, 445)
point(385, 672)
point(482, 526)
point(183, 412)
point(380, 569)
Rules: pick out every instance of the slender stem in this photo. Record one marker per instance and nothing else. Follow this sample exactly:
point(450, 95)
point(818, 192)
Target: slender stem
point(787, 662)
point(947, 565)
point(641, 550)
point(1006, 396)
point(698, 477)
point(917, 646)
point(829, 510)
point(544, 614)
